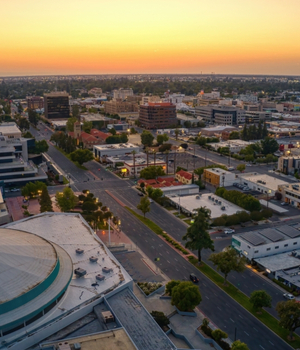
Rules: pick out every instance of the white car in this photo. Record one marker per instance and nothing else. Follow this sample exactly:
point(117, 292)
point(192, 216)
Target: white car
point(229, 231)
point(14, 190)
point(289, 296)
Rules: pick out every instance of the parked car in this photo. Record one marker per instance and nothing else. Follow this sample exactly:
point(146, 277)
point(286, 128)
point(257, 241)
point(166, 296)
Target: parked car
point(230, 168)
point(284, 203)
point(194, 278)
point(140, 194)
point(150, 200)
point(289, 296)
point(248, 164)
point(229, 231)
point(246, 188)
point(15, 190)
point(6, 191)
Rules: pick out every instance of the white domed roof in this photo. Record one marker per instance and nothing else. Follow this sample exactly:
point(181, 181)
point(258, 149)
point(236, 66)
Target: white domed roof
point(25, 261)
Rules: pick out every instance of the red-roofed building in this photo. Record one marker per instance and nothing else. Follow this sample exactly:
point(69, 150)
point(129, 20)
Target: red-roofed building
point(157, 115)
point(88, 140)
point(185, 177)
point(99, 135)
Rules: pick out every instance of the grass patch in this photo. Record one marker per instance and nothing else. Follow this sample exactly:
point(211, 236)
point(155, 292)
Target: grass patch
point(180, 216)
point(188, 221)
point(65, 181)
point(267, 319)
point(170, 208)
point(156, 229)
point(68, 156)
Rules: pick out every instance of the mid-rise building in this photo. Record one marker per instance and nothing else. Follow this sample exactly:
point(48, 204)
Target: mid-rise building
point(101, 152)
point(174, 98)
point(122, 93)
point(35, 102)
point(288, 164)
point(222, 115)
point(248, 98)
point(157, 115)
point(254, 117)
point(118, 106)
point(57, 105)
point(148, 99)
point(218, 177)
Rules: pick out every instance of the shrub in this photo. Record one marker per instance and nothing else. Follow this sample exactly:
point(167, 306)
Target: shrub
point(218, 334)
point(170, 285)
point(160, 318)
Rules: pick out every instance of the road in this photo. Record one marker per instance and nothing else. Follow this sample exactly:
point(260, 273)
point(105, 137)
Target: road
point(216, 304)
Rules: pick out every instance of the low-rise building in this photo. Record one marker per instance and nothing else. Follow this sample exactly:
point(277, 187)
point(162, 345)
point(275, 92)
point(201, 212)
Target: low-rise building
point(219, 177)
point(234, 146)
point(288, 164)
point(216, 130)
point(265, 184)
point(35, 102)
point(185, 177)
point(191, 203)
point(222, 115)
point(135, 166)
point(103, 151)
point(122, 93)
point(10, 130)
point(290, 194)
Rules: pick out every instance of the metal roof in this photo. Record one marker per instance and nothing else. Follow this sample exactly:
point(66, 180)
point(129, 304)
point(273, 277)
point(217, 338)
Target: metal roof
point(22, 265)
point(253, 237)
point(289, 231)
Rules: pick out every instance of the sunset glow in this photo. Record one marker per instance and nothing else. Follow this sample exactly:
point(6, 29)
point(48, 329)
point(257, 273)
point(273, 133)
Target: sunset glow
point(158, 36)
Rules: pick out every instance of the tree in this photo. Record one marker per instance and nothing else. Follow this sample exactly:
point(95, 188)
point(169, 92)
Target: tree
point(249, 158)
point(176, 133)
point(289, 314)
point(269, 145)
point(89, 206)
point(162, 138)
point(234, 135)
point(197, 235)
point(40, 147)
point(123, 137)
point(33, 117)
point(152, 172)
point(28, 135)
point(113, 131)
point(45, 201)
point(66, 200)
point(144, 205)
point(241, 167)
point(82, 156)
point(147, 138)
point(170, 285)
point(201, 141)
point(260, 299)
point(32, 189)
point(269, 158)
point(227, 261)
point(70, 123)
point(238, 345)
point(186, 296)
point(87, 126)
point(75, 111)
point(161, 319)
point(23, 123)
point(218, 335)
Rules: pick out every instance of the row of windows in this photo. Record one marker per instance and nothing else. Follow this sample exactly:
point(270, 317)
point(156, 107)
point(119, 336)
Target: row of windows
point(276, 247)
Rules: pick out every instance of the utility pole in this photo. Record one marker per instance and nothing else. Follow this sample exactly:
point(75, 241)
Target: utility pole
point(194, 157)
point(174, 161)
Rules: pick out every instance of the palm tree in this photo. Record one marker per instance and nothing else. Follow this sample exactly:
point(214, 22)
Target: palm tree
point(167, 160)
point(133, 158)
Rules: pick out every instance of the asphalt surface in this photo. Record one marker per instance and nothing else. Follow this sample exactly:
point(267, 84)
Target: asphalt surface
point(216, 304)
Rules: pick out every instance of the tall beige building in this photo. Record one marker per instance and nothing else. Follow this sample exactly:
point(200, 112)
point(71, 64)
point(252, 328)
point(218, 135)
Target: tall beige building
point(117, 106)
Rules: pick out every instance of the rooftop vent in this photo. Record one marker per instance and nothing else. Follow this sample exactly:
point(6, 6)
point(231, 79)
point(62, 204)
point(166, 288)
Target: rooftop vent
point(93, 259)
point(100, 277)
point(80, 272)
point(106, 269)
point(107, 317)
point(223, 208)
point(79, 251)
point(77, 346)
point(197, 197)
point(64, 346)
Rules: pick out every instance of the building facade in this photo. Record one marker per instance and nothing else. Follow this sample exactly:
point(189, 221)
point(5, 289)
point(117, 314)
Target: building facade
point(122, 93)
point(222, 115)
point(57, 105)
point(118, 106)
point(219, 177)
point(35, 102)
point(157, 115)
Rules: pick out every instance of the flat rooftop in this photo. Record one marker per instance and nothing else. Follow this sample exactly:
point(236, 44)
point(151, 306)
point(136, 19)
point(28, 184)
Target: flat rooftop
point(266, 180)
point(116, 146)
point(116, 339)
point(219, 171)
point(9, 129)
point(193, 202)
point(143, 161)
point(281, 261)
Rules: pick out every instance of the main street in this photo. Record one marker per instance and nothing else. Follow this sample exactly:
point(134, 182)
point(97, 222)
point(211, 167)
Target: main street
point(216, 305)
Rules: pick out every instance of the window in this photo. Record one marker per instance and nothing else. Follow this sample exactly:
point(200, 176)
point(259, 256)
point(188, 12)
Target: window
point(268, 249)
point(286, 245)
point(256, 251)
point(277, 247)
point(295, 243)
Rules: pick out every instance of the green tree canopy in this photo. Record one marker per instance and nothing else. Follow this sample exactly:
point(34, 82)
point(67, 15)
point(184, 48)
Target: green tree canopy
point(218, 335)
point(45, 201)
point(75, 111)
point(162, 138)
point(23, 123)
point(170, 285)
point(197, 235)
point(147, 138)
point(87, 126)
point(260, 299)
point(161, 319)
point(70, 123)
point(66, 200)
point(33, 117)
point(238, 345)
point(241, 167)
point(154, 193)
point(234, 135)
point(144, 205)
point(152, 172)
point(113, 131)
point(40, 147)
point(269, 145)
point(246, 201)
point(177, 132)
point(82, 156)
point(289, 314)
point(186, 296)
point(32, 189)
point(28, 135)
point(227, 261)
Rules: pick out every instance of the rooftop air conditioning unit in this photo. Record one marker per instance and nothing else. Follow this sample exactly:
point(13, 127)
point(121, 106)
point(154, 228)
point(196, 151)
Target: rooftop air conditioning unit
point(223, 208)
point(100, 277)
point(80, 272)
point(93, 259)
point(106, 269)
point(107, 316)
point(79, 251)
point(209, 197)
point(197, 197)
point(64, 346)
point(77, 346)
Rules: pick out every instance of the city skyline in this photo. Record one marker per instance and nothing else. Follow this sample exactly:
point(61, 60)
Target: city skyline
point(132, 37)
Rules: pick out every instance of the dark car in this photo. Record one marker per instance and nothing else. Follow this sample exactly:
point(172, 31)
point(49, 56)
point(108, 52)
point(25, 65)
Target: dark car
point(140, 194)
point(194, 278)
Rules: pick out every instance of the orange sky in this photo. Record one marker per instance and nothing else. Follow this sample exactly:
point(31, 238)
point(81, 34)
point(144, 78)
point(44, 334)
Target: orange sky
point(158, 36)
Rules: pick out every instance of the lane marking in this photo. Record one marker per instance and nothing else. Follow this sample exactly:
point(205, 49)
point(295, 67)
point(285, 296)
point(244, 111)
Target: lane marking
point(246, 333)
point(231, 320)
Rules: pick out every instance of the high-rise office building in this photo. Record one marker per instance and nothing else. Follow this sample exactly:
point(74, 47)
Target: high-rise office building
point(57, 105)
point(35, 102)
point(157, 115)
